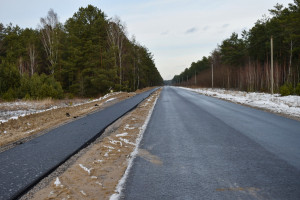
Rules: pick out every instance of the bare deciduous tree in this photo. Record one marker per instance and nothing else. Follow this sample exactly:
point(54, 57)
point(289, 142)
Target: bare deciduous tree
point(116, 32)
point(21, 65)
point(49, 31)
point(32, 57)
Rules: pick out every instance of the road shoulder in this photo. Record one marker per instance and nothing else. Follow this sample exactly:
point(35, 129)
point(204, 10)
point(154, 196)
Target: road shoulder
point(96, 170)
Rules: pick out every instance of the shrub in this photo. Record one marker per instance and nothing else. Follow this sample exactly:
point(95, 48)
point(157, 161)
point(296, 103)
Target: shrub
point(297, 89)
point(24, 88)
point(12, 85)
point(45, 91)
point(286, 89)
point(70, 96)
point(44, 86)
point(59, 90)
point(27, 97)
point(9, 77)
point(35, 85)
point(9, 95)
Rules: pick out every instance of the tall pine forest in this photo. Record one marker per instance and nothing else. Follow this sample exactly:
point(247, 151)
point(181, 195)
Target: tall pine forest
point(244, 62)
point(87, 56)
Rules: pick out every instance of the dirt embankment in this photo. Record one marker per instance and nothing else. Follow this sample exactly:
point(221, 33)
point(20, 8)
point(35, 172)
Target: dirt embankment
point(18, 131)
point(95, 171)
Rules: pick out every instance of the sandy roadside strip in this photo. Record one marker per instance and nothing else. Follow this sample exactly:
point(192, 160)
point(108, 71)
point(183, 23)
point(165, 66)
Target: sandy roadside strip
point(96, 171)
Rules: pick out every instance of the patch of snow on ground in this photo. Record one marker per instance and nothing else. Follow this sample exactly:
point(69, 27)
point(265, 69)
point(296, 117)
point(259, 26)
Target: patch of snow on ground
point(106, 153)
point(28, 132)
point(98, 161)
point(109, 147)
point(97, 182)
point(86, 169)
point(111, 99)
point(128, 128)
point(289, 105)
point(116, 142)
point(29, 108)
point(57, 182)
point(127, 141)
point(122, 134)
point(82, 192)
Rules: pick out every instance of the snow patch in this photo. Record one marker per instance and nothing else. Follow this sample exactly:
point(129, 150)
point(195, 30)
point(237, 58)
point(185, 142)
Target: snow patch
point(97, 182)
point(98, 161)
point(57, 183)
point(115, 142)
point(127, 141)
point(127, 127)
point(109, 147)
point(106, 153)
point(82, 192)
point(28, 132)
point(86, 169)
point(289, 105)
point(30, 107)
point(111, 99)
point(122, 134)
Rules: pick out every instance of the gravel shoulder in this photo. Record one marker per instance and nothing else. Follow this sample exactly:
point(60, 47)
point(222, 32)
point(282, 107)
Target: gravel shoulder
point(95, 171)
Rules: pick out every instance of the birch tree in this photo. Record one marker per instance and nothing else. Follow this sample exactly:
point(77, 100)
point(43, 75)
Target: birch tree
point(49, 30)
point(116, 31)
point(32, 57)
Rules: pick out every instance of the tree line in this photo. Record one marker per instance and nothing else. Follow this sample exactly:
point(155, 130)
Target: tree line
point(243, 62)
point(86, 56)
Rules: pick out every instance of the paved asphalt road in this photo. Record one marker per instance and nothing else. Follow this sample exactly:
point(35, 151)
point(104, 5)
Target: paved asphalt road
point(204, 148)
point(24, 165)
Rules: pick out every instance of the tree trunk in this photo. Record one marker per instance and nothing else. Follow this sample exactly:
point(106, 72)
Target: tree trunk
point(290, 61)
point(32, 59)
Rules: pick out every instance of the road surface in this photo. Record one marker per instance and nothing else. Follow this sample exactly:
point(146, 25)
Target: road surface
point(199, 147)
point(23, 166)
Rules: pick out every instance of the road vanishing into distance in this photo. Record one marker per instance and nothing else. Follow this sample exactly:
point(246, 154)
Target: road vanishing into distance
point(23, 166)
point(199, 147)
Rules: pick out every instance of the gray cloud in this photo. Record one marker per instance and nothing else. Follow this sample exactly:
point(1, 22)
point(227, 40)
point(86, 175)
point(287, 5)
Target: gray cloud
point(191, 30)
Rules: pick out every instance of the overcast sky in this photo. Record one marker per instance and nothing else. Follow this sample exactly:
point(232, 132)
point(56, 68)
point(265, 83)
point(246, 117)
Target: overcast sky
point(177, 32)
